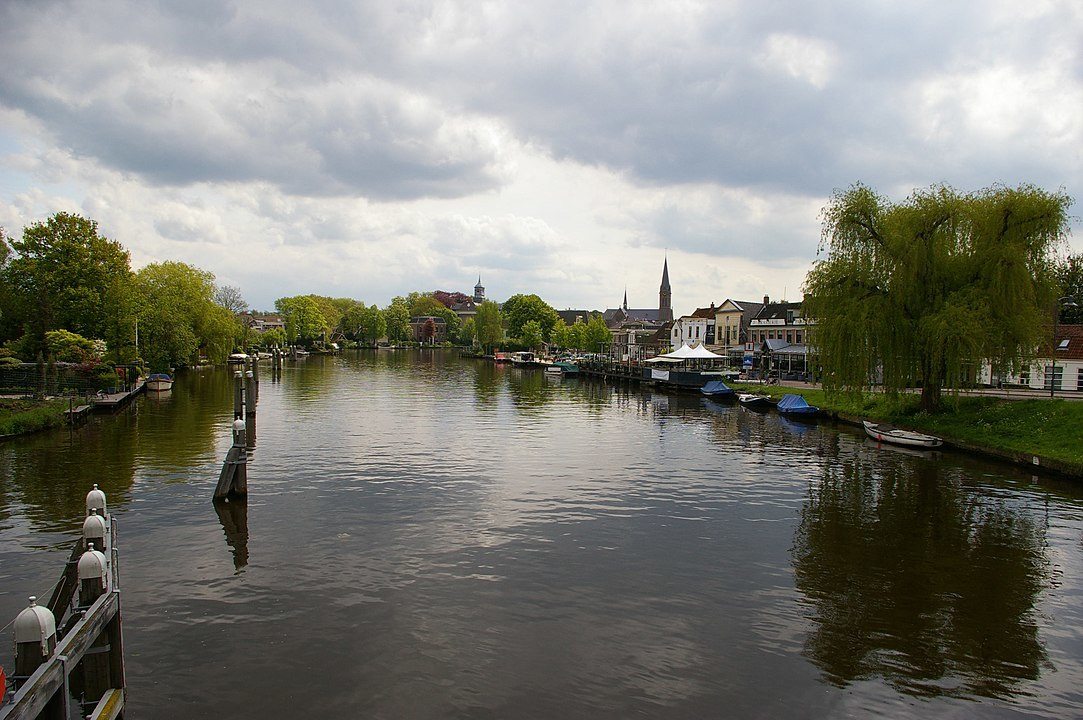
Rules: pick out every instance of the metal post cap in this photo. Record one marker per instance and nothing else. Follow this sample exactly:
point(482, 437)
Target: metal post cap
point(92, 565)
point(94, 527)
point(238, 425)
point(249, 374)
point(236, 373)
point(35, 624)
point(95, 500)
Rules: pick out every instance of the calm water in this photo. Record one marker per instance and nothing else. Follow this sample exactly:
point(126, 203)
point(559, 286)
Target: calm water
point(429, 537)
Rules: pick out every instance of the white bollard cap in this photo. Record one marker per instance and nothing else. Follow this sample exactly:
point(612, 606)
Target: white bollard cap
point(92, 565)
point(35, 624)
point(95, 500)
point(94, 527)
point(238, 425)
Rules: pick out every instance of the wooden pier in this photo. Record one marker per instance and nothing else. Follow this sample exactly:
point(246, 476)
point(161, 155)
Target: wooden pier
point(108, 402)
point(72, 648)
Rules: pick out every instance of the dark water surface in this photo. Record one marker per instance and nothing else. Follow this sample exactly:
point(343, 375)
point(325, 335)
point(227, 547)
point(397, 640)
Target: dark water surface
point(430, 537)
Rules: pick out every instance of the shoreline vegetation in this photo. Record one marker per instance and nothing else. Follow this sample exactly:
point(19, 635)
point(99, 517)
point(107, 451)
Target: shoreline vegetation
point(22, 416)
point(1016, 430)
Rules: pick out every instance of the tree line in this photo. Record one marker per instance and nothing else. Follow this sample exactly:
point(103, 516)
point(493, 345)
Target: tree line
point(68, 293)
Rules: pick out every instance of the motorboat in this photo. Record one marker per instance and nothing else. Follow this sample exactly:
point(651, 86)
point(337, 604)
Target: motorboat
point(718, 390)
point(756, 402)
point(796, 406)
point(237, 359)
point(554, 369)
point(159, 382)
point(886, 433)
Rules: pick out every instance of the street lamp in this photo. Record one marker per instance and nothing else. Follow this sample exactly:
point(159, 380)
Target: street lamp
point(1064, 302)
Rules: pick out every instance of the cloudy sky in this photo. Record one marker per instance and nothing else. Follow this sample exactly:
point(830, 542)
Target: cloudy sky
point(366, 149)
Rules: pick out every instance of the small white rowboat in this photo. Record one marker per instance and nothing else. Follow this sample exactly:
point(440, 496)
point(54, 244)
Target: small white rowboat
point(888, 434)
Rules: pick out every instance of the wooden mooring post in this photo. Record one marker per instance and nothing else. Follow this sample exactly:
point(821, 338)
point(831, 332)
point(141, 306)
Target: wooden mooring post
point(233, 480)
point(81, 657)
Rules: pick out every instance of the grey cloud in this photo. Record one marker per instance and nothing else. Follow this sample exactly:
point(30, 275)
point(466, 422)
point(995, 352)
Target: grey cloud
point(392, 100)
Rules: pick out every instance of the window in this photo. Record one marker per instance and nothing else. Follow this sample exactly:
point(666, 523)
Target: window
point(798, 337)
point(1024, 376)
point(789, 336)
point(1053, 377)
point(1079, 379)
point(697, 331)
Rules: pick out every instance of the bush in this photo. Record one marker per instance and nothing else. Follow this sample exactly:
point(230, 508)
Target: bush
point(9, 361)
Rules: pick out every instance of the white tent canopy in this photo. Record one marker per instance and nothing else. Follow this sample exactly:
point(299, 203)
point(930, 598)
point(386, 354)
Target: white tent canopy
point(685, 352)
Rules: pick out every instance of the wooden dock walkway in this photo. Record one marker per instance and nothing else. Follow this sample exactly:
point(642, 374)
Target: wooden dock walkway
point(108, 402)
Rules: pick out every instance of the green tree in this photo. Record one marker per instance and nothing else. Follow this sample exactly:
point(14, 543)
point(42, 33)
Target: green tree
point(521, 309)
point(275, 337)
point(397, 319)
point(305, 322)
point(178, 316)
point(468, 332)
point(69, 347)
point(531, 335)
point(60, 276)
point(373, 324)
point(560, 336)
point(1070, 280)
point(596, 336)
point(577, 335)
point(921, 290)
point(489, 325)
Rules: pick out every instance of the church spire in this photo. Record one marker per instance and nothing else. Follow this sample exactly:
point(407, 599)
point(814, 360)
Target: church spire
point(665, 296)
point(625, 305)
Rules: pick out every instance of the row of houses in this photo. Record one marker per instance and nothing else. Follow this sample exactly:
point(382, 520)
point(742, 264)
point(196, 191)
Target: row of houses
point(765, 337)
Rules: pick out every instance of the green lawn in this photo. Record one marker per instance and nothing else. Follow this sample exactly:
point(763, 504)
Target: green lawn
point(1048, 428)
point(25, 415)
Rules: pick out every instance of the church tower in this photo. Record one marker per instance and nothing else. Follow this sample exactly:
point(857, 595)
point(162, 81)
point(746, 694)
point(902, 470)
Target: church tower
point(665, 297)
point(479, 291)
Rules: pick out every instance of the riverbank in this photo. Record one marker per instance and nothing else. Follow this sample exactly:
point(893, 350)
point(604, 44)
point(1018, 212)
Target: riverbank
point(19, 416)
point(1044, 432)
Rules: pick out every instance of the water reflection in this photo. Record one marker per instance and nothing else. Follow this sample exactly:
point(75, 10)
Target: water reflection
point(915, 579)
point(233, 514)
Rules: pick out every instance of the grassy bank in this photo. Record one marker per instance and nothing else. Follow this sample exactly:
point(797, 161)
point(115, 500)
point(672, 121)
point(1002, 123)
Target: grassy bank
point(1050, 429)
point(26, 415)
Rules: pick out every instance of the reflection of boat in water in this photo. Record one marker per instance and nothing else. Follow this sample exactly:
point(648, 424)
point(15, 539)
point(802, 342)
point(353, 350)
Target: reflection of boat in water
point(158, 382)
point(896, 436)
point(159, 395)
point(797, 408)
point(718, 390)
point(756, 402)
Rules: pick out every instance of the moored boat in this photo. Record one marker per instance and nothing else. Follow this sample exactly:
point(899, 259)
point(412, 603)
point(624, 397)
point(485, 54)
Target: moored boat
point(756, 402)
point(797, 407)
point(909, 438)
point(237, 359)
point(158, 382)
point(718, 390)
point(554, 369)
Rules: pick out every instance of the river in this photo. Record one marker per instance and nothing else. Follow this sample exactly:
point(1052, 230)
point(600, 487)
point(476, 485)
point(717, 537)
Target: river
point(434, 537)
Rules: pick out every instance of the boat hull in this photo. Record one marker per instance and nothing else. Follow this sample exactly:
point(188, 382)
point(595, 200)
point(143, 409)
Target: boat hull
point(756, 402)
point(901, 437)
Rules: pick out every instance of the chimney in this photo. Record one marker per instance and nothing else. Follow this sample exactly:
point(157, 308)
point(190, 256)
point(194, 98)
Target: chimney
point(766, 300)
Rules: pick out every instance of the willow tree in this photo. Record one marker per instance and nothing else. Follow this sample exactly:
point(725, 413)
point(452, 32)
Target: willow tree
point(920, 291)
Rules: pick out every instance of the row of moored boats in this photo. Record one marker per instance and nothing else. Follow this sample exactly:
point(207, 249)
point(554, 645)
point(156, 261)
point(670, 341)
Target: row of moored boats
point(795, 406)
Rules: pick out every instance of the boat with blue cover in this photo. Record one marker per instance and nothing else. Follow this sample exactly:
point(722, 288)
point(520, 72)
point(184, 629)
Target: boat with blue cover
point(159, 382)
point(797, 407)
point(718, 390)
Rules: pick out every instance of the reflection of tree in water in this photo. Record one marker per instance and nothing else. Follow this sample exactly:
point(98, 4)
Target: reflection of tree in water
point(915, 580)
point(528, 389)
